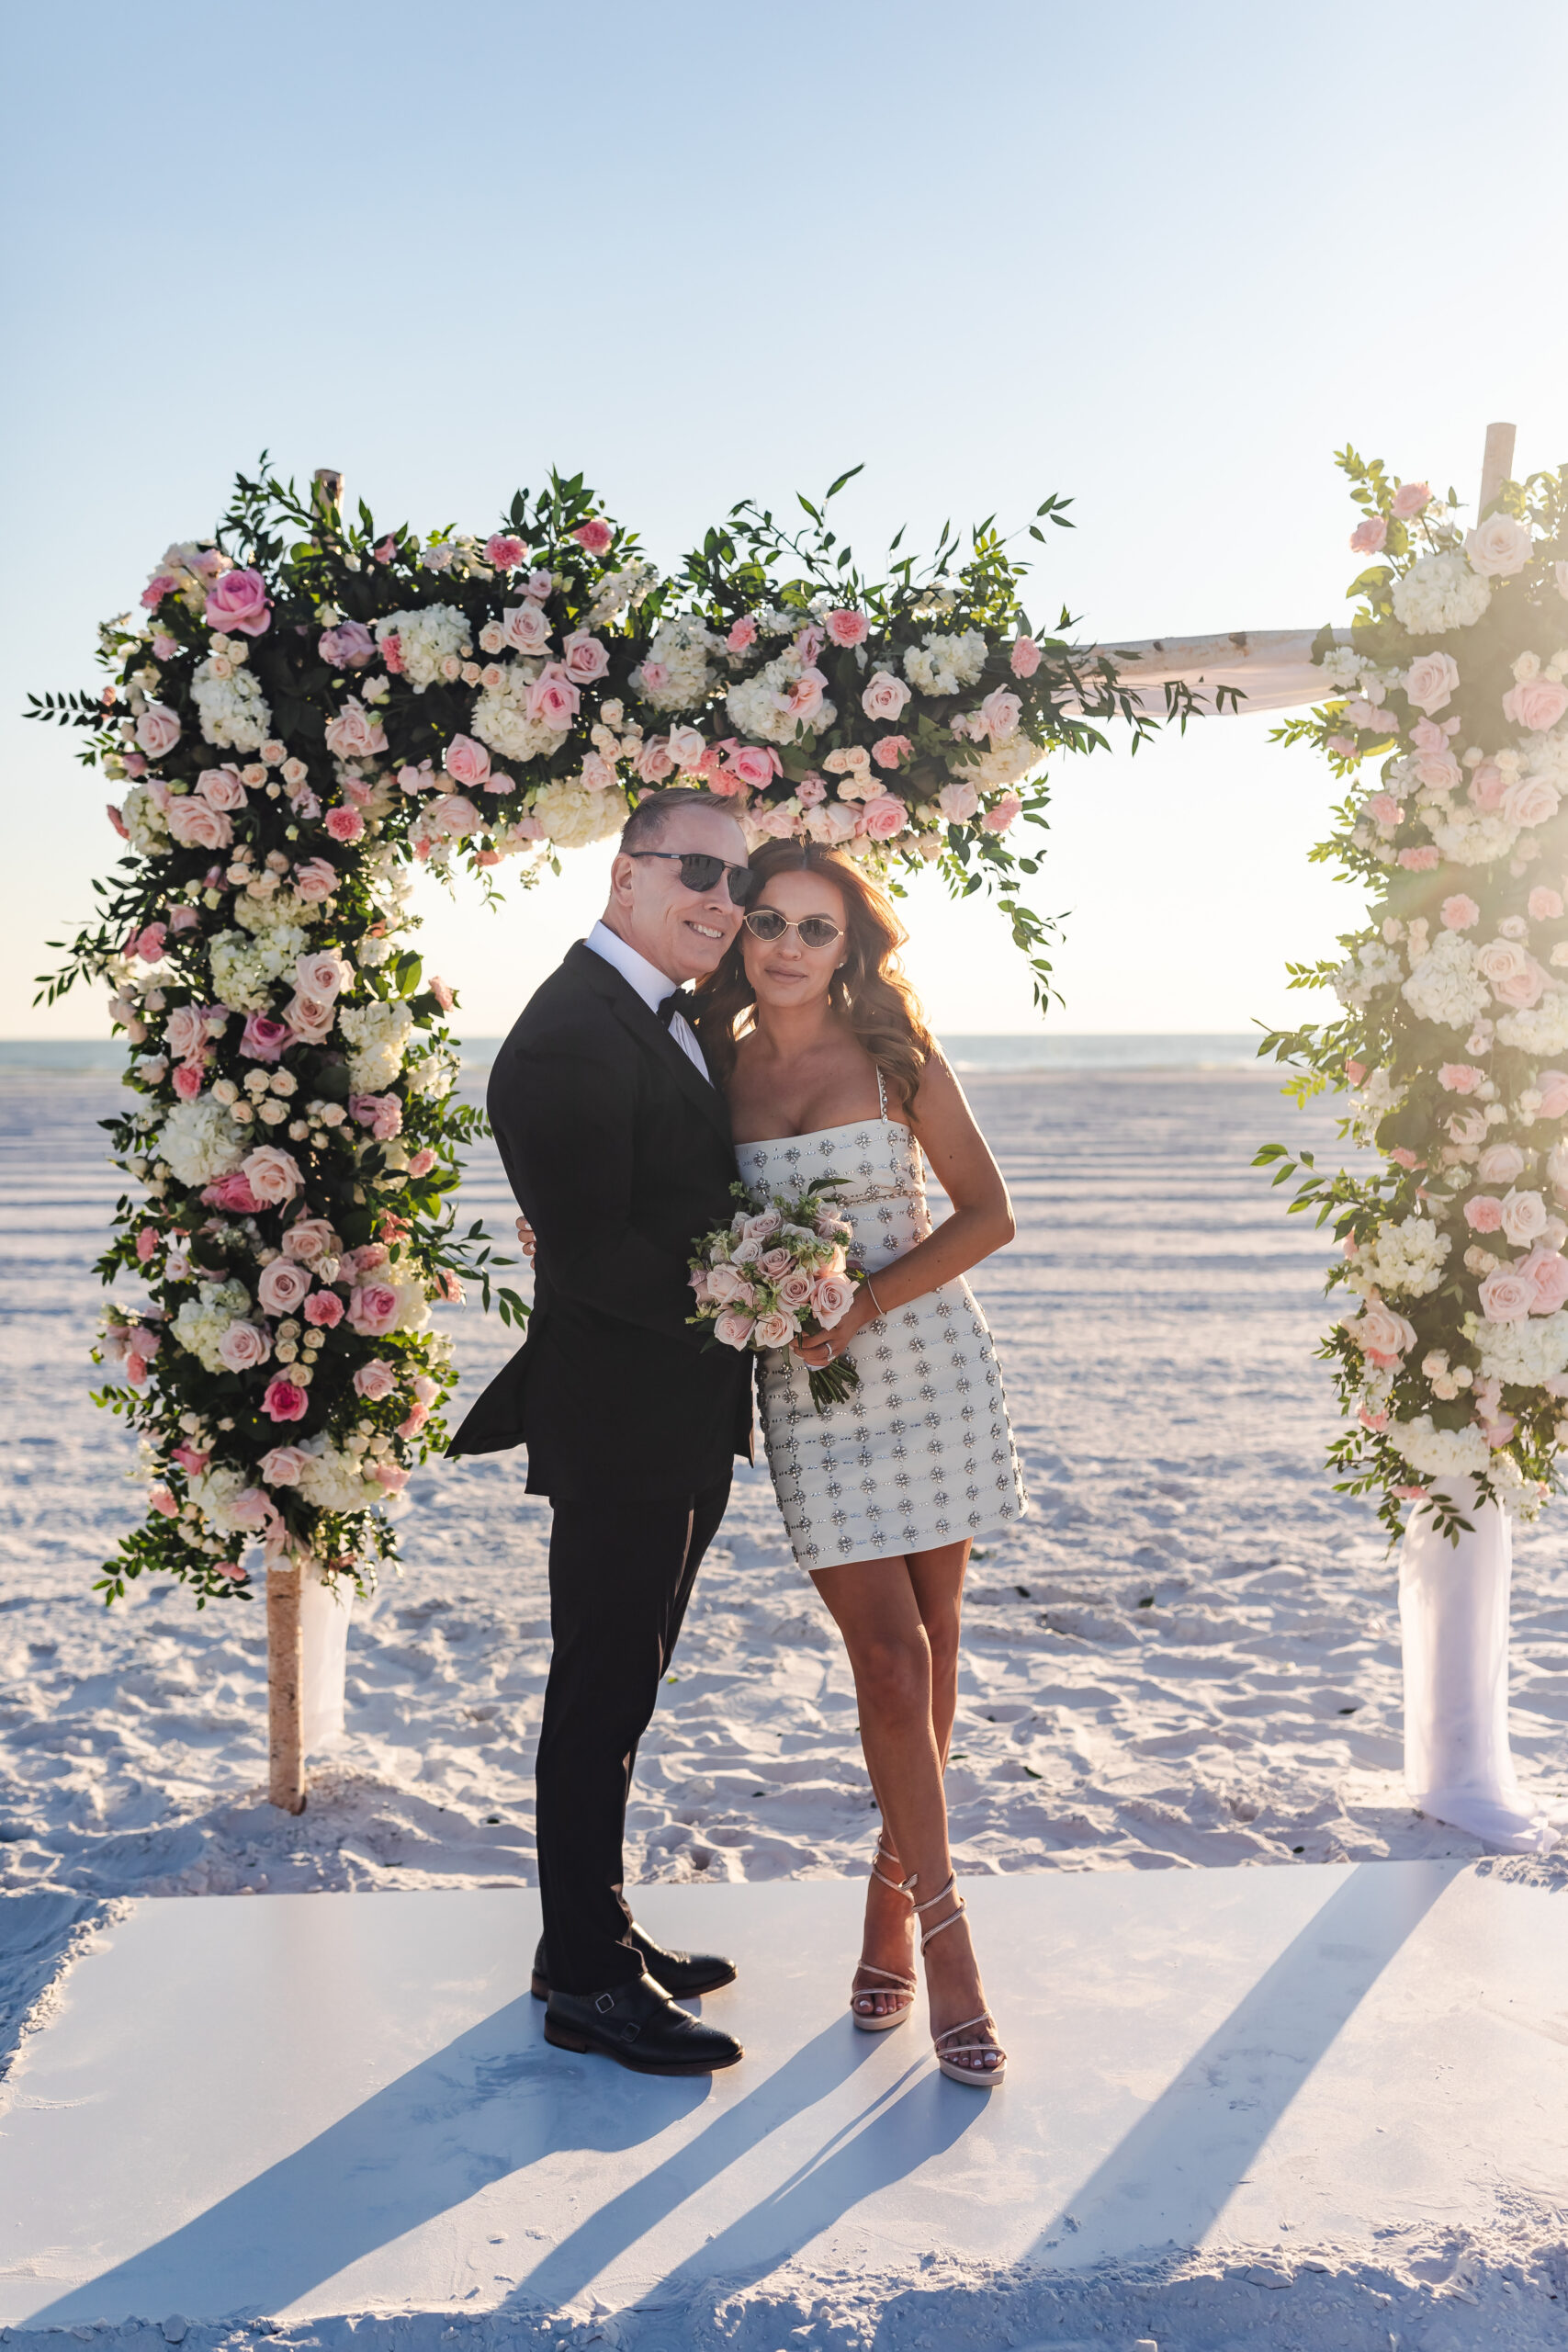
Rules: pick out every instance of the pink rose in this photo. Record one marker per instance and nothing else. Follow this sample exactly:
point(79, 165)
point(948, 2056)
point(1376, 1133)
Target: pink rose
point(231, 1193)
point(238, 602)
point(1514, 977)
point(884, 695)
point(1459, 1077)
point(310, 1238)
point(1468, 1127)
point(733, 1329)
point(997, 717)
point(889, 750)
point(1545, 905)
point(1424, 859)
point(263, 1039)
point(413, 1421)
point(958, 802)
point(421, 1162)
point(1547, 1271)
point(525, 628)
point(244, 1346)
point(755, 764)
point(148, 943)
point(1552, 1088)
point(323, 1308)
point(1484, 1213)
point(688, 747)
point(832, 1296)
point(283, 1286)
point(1535, 702)
point(142, 1342)
point(1507, 1295)
point(553, 701)
point(188, 1081)
point(272, 1175)
point(382, 1113)
point(1498, 547)
point(1524, 1217)
point(1460, 911)
point(1431, 679)
point(315, 880)
point(344, 824)
point(185, 1034)
point(1501, 1164)
point(1428, 736)
point(184, 919)
point(311, 1018)
point(283, 1400)
point(390, 1477)
point(1437, 770)
point(504, 552)
point(1410, 498)
point(1383, 1337)
point(321, 971)
point(464, 761)
point(282, 1466)
point(775, 1329)
point(375, 1380)
point(653, 762)
point(1367, 537)
point(795, 1291)
point(806, 694)
point(594, 534)
point(1002, 813)
point(584, 657)
point(366, 1259)
point(189, 1458)
point(1486, 787)
point(884, 817)
point(453, 816)
point(159, 1499)
point(146, 1244)
point(743, 633)
point(117, 821)
point(222, 788)
point(252, 1508)
point(846, 628)
point(196, 824)
point(373, 1309)
point(161, 584)
point(776, 1263)
point(347, 647)
point(356, 733)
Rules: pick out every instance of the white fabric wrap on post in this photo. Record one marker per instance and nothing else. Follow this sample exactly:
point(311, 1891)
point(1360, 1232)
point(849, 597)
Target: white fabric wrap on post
point(324, 1612)
point(1454, 1607)
point(1270, 669)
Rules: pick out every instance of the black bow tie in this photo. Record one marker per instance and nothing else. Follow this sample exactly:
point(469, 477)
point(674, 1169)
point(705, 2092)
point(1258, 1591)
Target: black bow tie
point(682, 1002)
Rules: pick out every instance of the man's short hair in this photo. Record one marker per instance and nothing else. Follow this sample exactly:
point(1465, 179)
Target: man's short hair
point(646, 824)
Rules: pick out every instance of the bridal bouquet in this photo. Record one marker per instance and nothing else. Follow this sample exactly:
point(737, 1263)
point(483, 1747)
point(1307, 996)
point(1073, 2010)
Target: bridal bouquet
point(777, 1269)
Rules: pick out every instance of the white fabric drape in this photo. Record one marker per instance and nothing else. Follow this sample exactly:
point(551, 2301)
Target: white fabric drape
point(1273, 669)
point(1454, 1607)
point(324, 1614)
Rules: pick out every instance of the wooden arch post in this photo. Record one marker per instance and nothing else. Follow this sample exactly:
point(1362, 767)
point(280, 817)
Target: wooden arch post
point(1496, 465)
point(285, 1644)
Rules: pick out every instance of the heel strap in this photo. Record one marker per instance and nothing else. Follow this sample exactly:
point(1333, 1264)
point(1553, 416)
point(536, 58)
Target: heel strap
point(897, 1886)
point(984, 2017)
point(929, 1935)
point(951, 1883)
point(869, 1968)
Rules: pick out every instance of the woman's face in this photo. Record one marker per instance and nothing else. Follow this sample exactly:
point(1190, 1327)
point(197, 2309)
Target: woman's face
point(784, 971)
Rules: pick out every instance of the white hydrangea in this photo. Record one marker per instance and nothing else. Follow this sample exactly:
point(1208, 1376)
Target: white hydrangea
point(572, 816)
point(1343, 666)
point(214, 1491)
point(945, 665)
point(758, 706)
point(999, 769)
point(202, 1321)
point(1372, 967)
point(1445, 986)
point(501, 717)
point(279, 909)
point(1405, 1256)
point(233, 709)
point(1439, 592)
point(687, 649)
point(425, 639)
point(379, 1035)
point(1439, 1453)
point(142, 820)
point(200, 1142)
point(1466, 837)
point(434, 1075)
point(413, 1307)
point(1549, 758)
point(335, 1481)
point(1543, 1031)
point(1521, 1355)
point(619, 589)
point(244, 971)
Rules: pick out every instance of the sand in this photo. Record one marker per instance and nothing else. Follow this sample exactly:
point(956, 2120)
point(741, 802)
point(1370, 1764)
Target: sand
point(1187, 1655)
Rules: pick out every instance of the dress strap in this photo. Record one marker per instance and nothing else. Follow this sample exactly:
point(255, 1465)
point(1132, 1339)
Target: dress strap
point(880, 1096)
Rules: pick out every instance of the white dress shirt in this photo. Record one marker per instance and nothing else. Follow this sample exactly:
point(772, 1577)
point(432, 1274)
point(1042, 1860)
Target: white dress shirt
point(652, 985)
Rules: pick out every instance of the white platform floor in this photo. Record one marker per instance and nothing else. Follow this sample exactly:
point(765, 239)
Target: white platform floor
point(306, 2105)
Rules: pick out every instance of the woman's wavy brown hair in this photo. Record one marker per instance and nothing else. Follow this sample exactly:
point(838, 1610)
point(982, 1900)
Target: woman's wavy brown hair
point(869, 987)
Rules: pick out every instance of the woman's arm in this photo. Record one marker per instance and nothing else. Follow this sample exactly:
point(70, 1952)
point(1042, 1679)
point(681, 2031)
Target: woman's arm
point(982, 1218)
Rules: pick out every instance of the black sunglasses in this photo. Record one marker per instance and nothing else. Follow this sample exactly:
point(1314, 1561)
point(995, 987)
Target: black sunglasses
point(700, 873)
point(812, 931)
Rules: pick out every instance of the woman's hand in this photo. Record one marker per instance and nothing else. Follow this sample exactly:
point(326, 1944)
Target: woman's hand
point(823, 1346)
point(528, 1237)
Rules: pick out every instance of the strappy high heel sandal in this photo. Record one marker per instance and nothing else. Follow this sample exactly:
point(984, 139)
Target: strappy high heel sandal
point(977, 2077)
point(900, 1989)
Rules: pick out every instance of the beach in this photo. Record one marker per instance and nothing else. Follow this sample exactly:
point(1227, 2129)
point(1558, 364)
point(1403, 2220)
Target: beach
point(1186, 1656)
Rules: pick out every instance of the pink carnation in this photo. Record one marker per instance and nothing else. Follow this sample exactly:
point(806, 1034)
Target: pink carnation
point(1459, 1077)
point(1367, 537)
point(1460, 911)
point(889, 750)
point(382, 1113)
point(344, 824)
point(1544, 905)
point(1420, 861)
point(846, 628)
point(188, 1080)
point(422, 1161)
point(324, 1308)
point(285, 1400)
point(504, 552)
point(594, 534)
point(1025, 658)
point(1484, 1213)
point(1002, 813)
point(743, 633)
point(1410, 498)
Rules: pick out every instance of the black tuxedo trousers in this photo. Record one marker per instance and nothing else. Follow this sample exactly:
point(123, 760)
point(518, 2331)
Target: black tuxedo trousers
point(618, 1150)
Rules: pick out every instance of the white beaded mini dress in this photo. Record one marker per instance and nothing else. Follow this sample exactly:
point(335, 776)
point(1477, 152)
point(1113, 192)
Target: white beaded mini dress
point(922, 1452)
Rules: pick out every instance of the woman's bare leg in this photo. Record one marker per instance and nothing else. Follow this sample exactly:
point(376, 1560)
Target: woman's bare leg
point(877, 1609)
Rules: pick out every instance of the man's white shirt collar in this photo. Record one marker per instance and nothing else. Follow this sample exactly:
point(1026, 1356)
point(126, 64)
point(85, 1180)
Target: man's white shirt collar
point(652, 985)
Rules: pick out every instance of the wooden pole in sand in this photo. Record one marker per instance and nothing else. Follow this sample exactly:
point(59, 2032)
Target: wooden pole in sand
point(1496, 465)
point(284, 1721)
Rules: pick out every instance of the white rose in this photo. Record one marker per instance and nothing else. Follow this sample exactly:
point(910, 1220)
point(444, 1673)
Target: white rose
point(1500, 546)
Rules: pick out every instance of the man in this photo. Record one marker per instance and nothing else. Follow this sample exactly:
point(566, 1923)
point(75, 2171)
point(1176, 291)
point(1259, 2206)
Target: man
point(617, 1146)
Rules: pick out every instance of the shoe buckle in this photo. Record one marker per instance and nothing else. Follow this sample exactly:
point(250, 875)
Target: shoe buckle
point(604, 2003)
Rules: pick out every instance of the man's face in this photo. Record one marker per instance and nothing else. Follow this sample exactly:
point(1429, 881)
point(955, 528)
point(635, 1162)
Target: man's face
point(683, 932)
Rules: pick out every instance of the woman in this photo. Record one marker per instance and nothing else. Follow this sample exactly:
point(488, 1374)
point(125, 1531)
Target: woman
point(816, 1038)
point(817, 1041)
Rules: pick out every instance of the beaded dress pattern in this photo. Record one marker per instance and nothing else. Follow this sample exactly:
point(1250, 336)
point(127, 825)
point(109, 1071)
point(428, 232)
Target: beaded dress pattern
point(922, 1452)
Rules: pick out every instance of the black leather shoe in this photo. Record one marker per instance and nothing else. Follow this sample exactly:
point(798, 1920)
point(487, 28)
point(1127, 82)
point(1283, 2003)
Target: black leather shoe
point(639, 2026)
point(681, 1973)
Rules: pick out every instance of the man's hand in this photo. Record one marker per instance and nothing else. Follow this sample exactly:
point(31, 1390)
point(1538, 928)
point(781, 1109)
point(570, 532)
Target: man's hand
point(528, 1238)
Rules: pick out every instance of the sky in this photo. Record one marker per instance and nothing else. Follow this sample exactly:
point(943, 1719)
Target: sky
point(1163, 261)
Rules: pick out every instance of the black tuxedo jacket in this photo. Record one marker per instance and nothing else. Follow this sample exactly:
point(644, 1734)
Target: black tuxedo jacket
point(619, 1152)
